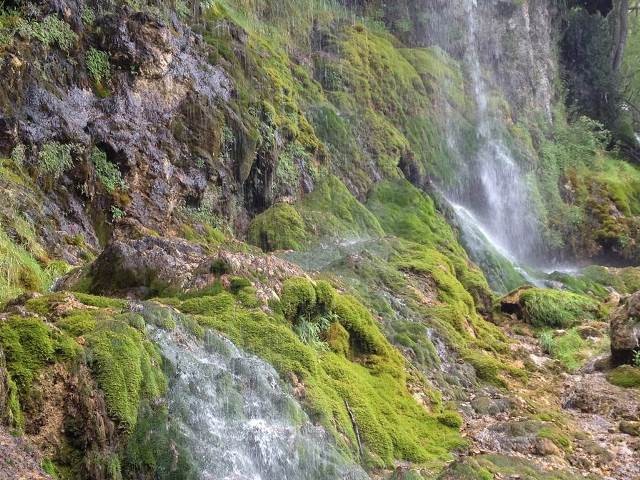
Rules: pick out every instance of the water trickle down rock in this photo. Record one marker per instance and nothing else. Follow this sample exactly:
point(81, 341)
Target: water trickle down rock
point(238, 420)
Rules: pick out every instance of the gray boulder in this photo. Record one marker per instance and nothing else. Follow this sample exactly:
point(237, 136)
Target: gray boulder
point(625, 330)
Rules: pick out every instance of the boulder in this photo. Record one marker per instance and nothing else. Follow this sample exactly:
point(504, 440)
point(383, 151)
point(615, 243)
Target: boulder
point(146, 266)
point(625, 330)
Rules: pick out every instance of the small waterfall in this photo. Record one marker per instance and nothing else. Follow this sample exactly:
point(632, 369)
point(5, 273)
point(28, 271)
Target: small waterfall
point(239, 422)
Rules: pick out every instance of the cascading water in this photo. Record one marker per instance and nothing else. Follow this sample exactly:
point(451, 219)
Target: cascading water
point(502, 204)
point(238, 422)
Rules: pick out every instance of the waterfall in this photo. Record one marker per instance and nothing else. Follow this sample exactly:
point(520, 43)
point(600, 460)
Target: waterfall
point(501, 206)
point(238, 421)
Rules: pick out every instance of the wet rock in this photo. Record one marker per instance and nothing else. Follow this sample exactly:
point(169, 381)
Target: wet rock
point(593, 394)
point(485, 405)
point(511, 304)
point(138, 42)
point(625, 330)
point(150, 265)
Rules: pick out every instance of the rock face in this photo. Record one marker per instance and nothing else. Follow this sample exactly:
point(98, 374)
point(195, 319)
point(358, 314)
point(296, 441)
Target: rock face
point(625, 330)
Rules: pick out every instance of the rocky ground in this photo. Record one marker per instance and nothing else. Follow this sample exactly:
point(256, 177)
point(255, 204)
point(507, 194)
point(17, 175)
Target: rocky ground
point(19, 460)
point(575, 422)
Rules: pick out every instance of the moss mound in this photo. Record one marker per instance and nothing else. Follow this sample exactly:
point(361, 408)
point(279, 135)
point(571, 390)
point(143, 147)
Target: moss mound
point(557, 308)
point(625, 376)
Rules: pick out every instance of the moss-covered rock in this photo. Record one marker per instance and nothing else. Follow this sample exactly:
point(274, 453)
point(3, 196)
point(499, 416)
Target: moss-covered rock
point(625, 376)
point(556, 308)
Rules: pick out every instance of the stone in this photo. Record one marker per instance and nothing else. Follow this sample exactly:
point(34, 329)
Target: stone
point(545, 447)
point(139, 267)
point(625, 330)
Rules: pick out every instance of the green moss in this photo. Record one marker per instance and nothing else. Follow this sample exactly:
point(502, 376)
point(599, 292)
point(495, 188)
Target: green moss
point(557, 308)
point(126, 367)
point(554, 434)
point(29, 345)
point(365, 375)
point(330, 211)
point(279, 228)
point(79, 323)
point(405, 211)
point(215, 305)
point(28, 348)
point(450, 419)
point(157, 446)
point(488, 467)
point(337, 338)
point(625, 376)
point(298, 298)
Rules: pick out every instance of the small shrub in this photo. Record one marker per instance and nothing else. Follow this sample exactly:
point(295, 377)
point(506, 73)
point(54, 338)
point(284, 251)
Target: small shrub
point(117, 213)
point(54, 158)
point(310, 333)
point(636, 358)
point(88, 16)
point(546, 341)
point(98, 64)
point(107, 173)
point(19, 154)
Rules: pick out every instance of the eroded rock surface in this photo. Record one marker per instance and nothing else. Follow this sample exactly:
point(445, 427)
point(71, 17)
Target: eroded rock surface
point(625, 330)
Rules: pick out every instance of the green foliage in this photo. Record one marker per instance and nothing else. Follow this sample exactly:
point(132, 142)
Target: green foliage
point(50, 468)
point(625, 376)
point(50, 31)
point(557, 308)
point(593, 82)
point(310, 332)
point(98, 65)
point(568, 348)
point(19, 270)
point(54, 159)
point(636, 358)
point(19, 155)
point(107, 173)
point(117, 213)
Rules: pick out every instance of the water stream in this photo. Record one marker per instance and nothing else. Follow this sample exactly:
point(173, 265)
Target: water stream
point(237, 418)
